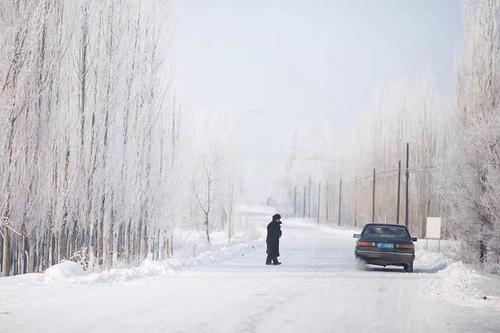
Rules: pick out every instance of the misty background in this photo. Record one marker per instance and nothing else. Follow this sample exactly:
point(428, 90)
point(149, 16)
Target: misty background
point(309, 66)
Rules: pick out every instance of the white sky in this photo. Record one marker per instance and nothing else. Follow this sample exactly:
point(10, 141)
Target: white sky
point(284, 63)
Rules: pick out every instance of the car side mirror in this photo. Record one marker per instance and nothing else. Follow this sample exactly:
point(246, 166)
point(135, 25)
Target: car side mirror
point(356, 236)
point(414, 239)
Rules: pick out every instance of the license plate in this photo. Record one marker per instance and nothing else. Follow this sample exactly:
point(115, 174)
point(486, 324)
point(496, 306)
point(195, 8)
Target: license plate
point(385, 245)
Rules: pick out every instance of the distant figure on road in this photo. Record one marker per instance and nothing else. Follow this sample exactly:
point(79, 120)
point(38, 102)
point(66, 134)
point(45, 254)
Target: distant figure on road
point(273, 240)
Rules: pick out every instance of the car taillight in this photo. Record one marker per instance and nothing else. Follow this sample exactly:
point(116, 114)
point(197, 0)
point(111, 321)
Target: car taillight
point(368, 244)
point(405, 246)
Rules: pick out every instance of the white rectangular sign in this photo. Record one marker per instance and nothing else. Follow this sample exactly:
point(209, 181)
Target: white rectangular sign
point(433, 228)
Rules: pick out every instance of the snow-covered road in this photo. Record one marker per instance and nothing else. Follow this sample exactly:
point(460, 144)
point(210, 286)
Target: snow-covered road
point(319, 288)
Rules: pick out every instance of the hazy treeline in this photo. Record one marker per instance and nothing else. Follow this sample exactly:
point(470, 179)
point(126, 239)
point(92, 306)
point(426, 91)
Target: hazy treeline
point(471, 189)
point(403, 113)
point(454, 141)
point(97, 161)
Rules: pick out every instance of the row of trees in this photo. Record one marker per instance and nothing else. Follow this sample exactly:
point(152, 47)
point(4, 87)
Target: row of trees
point(454, 157)
point(401, 113)
point(473, 164)
point(97, 163)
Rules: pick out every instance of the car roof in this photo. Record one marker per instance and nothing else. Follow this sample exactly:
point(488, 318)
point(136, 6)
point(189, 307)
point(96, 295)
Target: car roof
point(386, 225)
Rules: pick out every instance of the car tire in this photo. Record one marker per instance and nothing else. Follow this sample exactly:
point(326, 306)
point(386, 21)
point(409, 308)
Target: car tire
point(409, 267)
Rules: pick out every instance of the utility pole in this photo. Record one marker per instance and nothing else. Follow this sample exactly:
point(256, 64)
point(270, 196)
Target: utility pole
point(399, 193)
point(407, 182)
point(340, 202)
point(310, 198)
point(326, 200)
point(295, 201)
point(304, 204)
point(356, 200)
point(319, 201)
point(373, 195)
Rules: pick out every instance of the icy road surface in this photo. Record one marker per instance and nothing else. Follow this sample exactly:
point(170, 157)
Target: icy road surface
point(319, 288)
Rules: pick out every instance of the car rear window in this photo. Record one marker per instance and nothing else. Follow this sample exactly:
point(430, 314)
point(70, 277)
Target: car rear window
point(386, 232)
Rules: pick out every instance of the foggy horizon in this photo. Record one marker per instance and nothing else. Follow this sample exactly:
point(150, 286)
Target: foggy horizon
point(281, 66)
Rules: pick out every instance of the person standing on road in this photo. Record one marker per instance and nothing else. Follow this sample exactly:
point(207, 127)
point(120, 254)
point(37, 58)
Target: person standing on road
point(273, 240)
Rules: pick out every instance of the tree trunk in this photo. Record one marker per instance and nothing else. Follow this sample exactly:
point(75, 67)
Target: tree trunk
point(207, 231)
point(6, 252)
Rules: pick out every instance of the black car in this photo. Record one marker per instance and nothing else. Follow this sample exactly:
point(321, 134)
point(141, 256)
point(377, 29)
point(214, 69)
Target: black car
point(386, 245)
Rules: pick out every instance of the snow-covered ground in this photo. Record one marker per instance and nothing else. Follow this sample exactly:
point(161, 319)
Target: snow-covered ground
point(319, 288)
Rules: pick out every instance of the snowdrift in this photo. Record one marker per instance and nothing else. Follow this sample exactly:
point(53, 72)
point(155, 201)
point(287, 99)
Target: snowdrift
point(71, 272)
point(457, 282)
point(64, 270)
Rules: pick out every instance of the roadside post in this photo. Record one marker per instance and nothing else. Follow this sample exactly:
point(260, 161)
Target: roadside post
point(433, 231)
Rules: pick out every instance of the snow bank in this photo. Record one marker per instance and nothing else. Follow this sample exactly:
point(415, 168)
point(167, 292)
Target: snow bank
point(459, 282)
point(64, 270)
point(430, 262)
point(147, 268)
point(150, 268)
point(72, 272)
point(456, 282)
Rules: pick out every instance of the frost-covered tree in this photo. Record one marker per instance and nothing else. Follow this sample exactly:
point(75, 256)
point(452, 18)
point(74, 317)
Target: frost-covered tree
point(474, 180)
point(402, 113)
point(92, 161)
point(213, 177)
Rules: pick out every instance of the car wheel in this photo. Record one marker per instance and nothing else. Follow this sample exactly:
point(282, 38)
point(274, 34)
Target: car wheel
point(409, 267)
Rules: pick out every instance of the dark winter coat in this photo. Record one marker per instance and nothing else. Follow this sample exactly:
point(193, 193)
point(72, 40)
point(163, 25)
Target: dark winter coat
point(273, 239)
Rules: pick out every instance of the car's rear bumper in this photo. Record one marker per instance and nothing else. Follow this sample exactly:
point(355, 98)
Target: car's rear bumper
point(385, 257)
